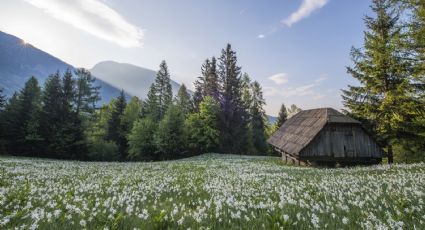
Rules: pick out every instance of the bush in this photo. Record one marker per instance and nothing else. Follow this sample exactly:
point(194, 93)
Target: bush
point(141, 140)
point(101, 150)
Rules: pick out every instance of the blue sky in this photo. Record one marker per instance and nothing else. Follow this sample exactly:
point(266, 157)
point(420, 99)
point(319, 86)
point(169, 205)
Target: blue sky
point(296, 49)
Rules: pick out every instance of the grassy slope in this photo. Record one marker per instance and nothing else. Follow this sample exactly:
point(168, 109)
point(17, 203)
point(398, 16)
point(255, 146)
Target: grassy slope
point(216, 191)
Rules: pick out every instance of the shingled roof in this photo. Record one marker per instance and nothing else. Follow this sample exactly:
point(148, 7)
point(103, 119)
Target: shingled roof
point(298, 131)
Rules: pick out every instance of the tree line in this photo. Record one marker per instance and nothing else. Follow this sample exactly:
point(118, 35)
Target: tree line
point(390, 69)
point(225, 114)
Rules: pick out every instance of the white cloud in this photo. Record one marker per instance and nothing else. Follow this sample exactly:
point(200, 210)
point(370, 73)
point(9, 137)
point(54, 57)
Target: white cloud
point(298, 91)
point(94, 17)
point(261, 36)
point(322, 77)
point(307, 7)
point(280, 78)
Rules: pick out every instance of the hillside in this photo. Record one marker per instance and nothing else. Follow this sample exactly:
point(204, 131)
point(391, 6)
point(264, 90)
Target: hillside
point(211, 191)
point(19, 61)
point(134, 79)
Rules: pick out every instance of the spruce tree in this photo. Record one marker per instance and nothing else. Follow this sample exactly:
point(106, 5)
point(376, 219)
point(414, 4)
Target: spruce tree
point(2, 100)
point(283, 116)
point(183, 100)
point(72, 129)
point(2, 123)
point(151, 106)
point(87, 94)
point(21, 120)
point(258, 119)
point(117, 130)
point(163, 89)
point(29, 115)
point(233, 123)
point(51, 121)
point(385, 97)
point(11, 124)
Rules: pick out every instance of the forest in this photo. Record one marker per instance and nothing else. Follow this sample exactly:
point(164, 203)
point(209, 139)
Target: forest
point(61, 119)
point(226, 112)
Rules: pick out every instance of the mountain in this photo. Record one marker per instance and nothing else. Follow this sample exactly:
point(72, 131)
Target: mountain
point(133, 79)
point(272, 119)
point(19, 61)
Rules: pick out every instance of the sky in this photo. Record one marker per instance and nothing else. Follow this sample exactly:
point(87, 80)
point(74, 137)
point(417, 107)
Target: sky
point(297, 50)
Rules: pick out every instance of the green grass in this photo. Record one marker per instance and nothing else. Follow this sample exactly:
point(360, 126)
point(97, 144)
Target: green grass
point(209, 191)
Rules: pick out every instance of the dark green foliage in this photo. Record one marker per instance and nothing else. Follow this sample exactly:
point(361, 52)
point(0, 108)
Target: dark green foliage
point(141, 140)
point(132, 112)
point(117, 129)
point(2, 123)
point(151, 106)
point(202, 127)
point(163, 90)
point(170, 139)
point(283, 116)
point(51, 117)
point(63, 122)
point(21, 120)
point(160, 94)
point(258, 119)
point(61, 125)
point(102, 150)
point(233, 123)
point(387, 99)
point(87, 94)
point(183, 100)
point(208, 83)
point(2, 100)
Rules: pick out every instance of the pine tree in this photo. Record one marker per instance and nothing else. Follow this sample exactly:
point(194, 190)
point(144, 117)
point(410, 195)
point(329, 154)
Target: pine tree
point(29, 115)
point(11, 124)
point(212, 87)
point(183, 100)
point(117, 130)
point(151, 106)
point(163, 89)
point(2, 123)
point(21, 120)
point(72, 129)
point(2, 100)
point(87, 94)
point(385, 97)
point(258, 119)
point(51, 119)
point(199, 93)
point(293, 110)
point(283, 116)
point(233, 123)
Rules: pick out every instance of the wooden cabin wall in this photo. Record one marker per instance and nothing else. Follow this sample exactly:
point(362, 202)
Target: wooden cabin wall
point(342, 141)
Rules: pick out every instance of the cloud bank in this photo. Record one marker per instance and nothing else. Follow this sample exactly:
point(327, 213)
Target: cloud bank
point(298, 91)
point(307, 7)
point(94, 17)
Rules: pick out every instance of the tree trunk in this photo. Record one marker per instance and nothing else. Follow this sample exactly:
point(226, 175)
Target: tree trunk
point(390, 154)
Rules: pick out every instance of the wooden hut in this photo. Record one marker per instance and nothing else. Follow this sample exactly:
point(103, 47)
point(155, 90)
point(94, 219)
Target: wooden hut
point(325, 136)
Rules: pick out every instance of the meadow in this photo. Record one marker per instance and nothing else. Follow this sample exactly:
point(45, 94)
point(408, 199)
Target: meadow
point(210, 191)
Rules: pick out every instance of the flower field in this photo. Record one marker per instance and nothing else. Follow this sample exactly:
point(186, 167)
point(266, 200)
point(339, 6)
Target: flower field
point(211, 191)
